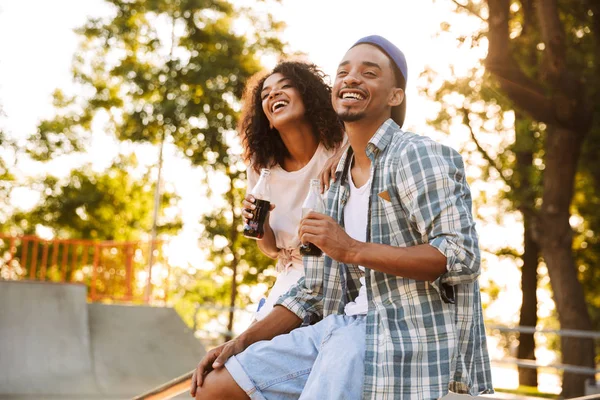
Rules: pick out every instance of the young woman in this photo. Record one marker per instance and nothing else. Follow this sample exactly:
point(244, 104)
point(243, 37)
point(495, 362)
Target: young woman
point(289, 126)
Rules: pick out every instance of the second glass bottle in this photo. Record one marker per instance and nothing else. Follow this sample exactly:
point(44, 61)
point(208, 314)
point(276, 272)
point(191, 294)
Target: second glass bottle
point(313, 202)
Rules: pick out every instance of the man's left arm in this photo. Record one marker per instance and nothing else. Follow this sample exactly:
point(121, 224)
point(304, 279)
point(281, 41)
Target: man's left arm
point(432, 188)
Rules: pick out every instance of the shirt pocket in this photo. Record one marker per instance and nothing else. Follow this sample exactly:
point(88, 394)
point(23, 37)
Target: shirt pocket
point(401, 227)
point(388, 217)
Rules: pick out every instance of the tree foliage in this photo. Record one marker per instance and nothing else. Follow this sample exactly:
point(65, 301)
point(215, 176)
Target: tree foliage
point(108, 205)
point(503, 146)
point(169, 71)
point(160, 68)
point(542, 63)
point(7, 178)
point(240, 256)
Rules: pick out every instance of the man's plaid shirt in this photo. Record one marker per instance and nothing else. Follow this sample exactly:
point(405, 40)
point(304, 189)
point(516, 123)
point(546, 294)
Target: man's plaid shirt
point(418, 345)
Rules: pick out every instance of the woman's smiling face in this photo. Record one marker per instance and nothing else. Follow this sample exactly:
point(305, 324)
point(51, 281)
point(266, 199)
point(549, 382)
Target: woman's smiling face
point(281, 101)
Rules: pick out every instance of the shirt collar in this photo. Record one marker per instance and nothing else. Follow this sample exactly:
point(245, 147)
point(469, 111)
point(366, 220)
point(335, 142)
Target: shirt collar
point(383, 135)
point(379, 141)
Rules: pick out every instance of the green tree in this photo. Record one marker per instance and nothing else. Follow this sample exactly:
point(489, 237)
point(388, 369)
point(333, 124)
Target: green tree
point(111, 205)
point(166, 70)
point(160, 68)
point(240, 255)
point(7, 147)
point(235, 261)
point(488, 115)
point(586, 243)
point(470, 102)
point(542, 57)
point(108, 205)
point(560, 94)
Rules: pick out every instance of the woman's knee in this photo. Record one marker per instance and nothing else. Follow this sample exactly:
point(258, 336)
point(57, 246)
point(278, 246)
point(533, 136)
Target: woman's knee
point(219, 384)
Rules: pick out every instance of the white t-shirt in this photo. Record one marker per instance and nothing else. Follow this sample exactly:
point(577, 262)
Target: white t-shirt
point(355, 221)
point(288, 191)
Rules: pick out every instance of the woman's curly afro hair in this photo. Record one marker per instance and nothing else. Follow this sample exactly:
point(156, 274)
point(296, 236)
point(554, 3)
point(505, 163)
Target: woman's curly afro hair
point(263, 147)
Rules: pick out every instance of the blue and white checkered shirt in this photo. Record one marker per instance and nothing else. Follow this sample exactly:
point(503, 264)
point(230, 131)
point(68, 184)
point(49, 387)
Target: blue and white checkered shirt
point(419, 345)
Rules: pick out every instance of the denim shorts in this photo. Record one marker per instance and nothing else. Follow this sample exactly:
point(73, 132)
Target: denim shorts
point(321, 361)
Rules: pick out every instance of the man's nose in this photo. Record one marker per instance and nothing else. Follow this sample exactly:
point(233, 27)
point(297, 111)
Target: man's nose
point(351, 80)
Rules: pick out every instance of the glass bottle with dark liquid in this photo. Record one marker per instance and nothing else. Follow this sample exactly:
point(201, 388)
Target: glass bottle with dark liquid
point(254, 229)
point(313, 202)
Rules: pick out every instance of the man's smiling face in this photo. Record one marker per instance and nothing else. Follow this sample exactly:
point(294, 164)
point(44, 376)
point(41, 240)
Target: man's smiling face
point(364, 85)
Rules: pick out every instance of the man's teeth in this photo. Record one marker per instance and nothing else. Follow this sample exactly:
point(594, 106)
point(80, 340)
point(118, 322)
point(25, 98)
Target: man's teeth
point(353, 95)
point(278, 104)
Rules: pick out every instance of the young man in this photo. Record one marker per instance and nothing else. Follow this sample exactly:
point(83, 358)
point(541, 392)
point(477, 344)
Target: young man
point(397, 290)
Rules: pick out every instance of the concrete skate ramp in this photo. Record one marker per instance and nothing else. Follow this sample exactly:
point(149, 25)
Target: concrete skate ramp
point(44, 339)
point(53, 345)
point(138, 348)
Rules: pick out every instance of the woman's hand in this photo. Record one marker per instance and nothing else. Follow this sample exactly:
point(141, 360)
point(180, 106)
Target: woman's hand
point(267, 244)
point(248, 208)
point(328, 172)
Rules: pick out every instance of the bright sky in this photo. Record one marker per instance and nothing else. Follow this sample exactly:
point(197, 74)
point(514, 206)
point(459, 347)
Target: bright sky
point(37, 44)
point(37, 47)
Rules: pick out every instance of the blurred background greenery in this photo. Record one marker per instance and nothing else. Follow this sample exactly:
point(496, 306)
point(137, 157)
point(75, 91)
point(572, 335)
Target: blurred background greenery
point(140, 143)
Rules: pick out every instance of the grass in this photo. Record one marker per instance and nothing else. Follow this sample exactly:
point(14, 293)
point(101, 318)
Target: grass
point(528, 391)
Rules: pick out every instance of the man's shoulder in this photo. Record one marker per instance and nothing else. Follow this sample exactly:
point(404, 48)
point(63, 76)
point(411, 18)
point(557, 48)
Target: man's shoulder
point(404, 142)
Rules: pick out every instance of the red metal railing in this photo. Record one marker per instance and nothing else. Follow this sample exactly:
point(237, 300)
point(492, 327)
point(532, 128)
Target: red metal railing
point(112, 270)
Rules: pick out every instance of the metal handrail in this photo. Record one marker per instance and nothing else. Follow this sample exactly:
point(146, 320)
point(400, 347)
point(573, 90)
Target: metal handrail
point(170, 389)
point(181, 384)
point(561, 332)
point(560, 367)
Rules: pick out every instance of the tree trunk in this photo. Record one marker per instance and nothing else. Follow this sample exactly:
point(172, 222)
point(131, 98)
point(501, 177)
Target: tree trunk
point(234, 265)
point(555, 238)
point(557, 98)
point(526, 351)
point(233, 235)
point(526, 197)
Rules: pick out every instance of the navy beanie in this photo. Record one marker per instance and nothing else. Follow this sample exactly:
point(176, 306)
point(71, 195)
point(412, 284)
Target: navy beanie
point(399, 61)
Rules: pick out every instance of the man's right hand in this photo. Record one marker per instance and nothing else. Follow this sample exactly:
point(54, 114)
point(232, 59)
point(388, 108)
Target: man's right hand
point(214, 359)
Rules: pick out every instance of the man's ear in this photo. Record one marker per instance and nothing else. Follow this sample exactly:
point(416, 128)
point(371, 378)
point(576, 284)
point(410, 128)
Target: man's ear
point(397, 97)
